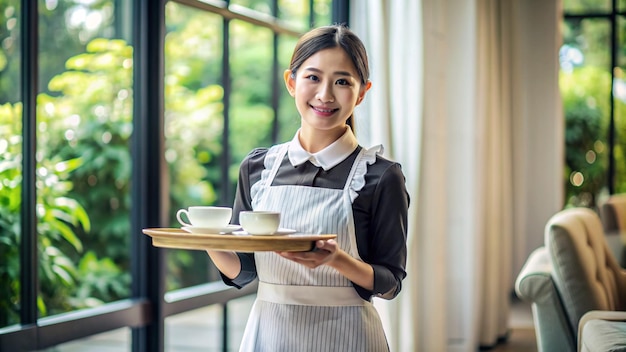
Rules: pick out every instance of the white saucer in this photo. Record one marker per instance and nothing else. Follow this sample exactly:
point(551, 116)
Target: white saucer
point(281, 231)
point(208, 230)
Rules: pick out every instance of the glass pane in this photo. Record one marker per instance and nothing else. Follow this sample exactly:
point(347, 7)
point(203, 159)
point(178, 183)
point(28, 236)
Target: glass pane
point(196, 330)
point(238, 312)
point(263, 6)
point(586, 6)
point(10, 52)
point(251, 71)
point(619, 92)
point(288, 116)
point(84, 126)
point(10, 162)
point(323, 12)
point(201, 329)
point(585, 82)
point(591, 38)
point(117, 340)
point(194, 124)
point(295, 13)
point(621, 5)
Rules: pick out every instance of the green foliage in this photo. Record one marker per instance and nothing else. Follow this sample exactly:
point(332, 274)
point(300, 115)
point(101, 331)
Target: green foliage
point(101, 281)
point(90, 119)
point(57, 219)
point(193, 108)
point(585, 98)
point(58, 40)
point(9, 51)
point(83, 139)
point(10, 201)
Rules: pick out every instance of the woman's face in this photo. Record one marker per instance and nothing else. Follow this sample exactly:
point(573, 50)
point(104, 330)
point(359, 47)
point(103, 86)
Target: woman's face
point(326, 90)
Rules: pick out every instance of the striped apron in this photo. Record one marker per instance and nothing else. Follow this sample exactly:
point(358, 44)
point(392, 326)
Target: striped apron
point(303, 309)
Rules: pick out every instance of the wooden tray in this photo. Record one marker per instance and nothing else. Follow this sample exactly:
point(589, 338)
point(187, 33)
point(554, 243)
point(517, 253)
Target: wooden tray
point(178, 238)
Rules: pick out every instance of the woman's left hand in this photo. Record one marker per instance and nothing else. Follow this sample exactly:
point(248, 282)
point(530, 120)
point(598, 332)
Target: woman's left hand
point(323, 253)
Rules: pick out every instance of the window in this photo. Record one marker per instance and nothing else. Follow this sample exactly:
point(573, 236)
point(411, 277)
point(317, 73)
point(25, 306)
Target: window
point(593, 86)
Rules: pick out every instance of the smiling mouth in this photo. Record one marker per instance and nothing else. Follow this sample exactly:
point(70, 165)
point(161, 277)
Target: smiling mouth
point(324, 111)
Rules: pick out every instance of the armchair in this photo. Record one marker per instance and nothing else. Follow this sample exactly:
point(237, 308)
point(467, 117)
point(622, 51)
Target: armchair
point(574, 273)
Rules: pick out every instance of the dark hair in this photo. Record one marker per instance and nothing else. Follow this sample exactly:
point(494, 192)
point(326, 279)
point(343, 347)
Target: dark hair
point(328, 37)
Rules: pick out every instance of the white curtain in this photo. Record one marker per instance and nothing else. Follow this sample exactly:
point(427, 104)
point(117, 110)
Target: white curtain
point(458, 94)
point(392, 32)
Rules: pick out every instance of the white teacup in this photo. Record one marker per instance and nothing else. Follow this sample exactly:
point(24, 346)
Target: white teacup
point(259, 222)
point(205, 216)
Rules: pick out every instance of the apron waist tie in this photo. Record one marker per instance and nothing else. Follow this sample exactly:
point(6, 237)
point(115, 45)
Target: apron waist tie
point(328, 296)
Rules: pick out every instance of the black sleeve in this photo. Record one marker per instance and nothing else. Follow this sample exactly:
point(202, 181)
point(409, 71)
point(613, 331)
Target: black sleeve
point(249, 173)
point(386, 248)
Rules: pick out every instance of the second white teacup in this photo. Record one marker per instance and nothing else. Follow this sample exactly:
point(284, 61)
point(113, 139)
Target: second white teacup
point(259, 222)
point(205, 216)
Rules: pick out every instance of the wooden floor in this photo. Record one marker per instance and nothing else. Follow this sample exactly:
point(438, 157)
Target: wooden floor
point(520, 340)
point(522, 332)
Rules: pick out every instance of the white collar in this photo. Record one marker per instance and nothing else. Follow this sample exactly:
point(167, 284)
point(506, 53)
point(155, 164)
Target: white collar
point(326, 158)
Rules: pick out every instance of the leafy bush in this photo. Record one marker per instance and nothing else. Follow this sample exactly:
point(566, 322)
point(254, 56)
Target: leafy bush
point(585, 101)
point(57, 218)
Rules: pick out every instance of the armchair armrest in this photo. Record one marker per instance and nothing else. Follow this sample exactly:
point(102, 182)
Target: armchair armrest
point(534, 284)
point(618, 333)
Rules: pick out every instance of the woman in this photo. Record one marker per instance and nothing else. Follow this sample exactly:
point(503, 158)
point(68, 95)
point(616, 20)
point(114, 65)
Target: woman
point(322, 181)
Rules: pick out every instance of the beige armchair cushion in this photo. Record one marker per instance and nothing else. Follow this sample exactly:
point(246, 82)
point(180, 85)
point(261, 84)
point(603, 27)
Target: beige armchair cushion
point(602, 331)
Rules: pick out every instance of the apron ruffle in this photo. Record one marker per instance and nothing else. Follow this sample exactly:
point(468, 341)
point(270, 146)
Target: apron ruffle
point(358, 181)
